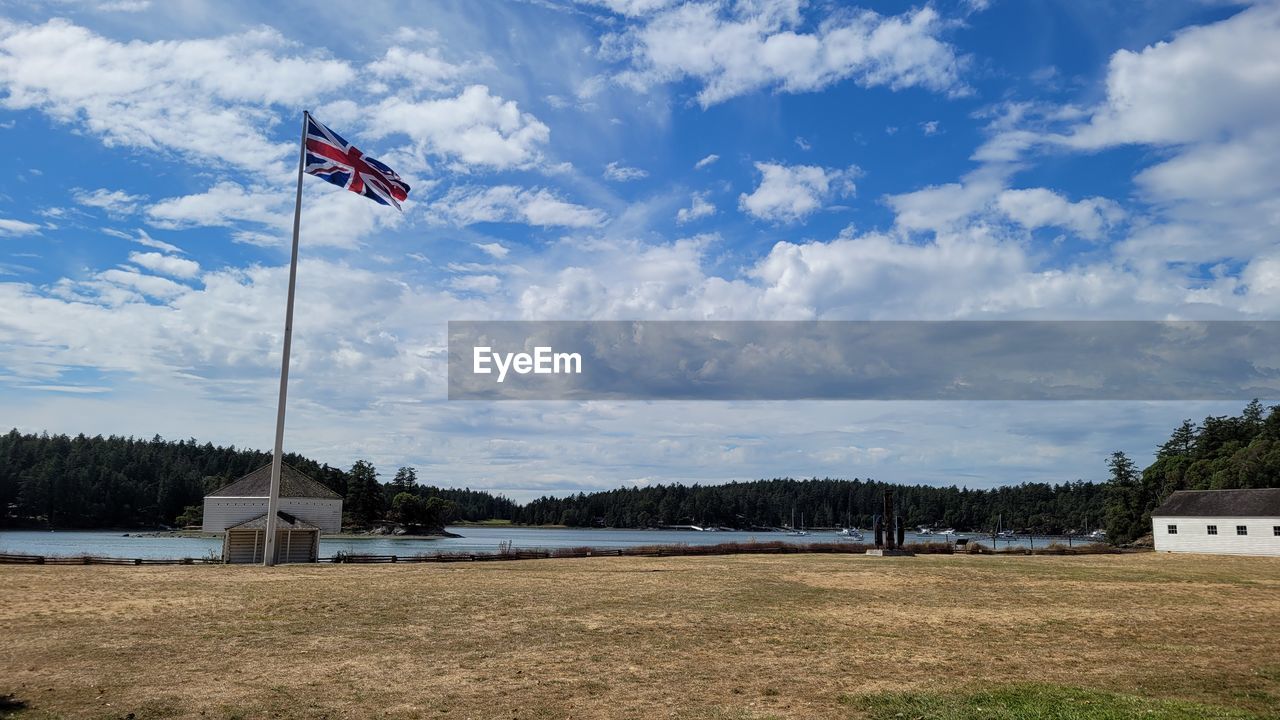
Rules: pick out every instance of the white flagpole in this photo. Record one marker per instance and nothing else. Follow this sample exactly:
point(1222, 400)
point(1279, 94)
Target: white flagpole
point(273, 498)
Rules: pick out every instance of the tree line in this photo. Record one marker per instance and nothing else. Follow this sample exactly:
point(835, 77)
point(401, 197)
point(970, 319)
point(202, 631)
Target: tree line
point(1224, 452)
point(826, 502)
point(124, 482)
point(96, 482)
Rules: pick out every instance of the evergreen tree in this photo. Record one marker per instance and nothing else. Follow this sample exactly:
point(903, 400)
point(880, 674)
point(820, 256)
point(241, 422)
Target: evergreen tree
point(365, 500)
point(1123, 500)
point(406, 480)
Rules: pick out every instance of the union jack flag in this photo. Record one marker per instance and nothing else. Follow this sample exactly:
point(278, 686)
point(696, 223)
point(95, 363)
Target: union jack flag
point(334, 159)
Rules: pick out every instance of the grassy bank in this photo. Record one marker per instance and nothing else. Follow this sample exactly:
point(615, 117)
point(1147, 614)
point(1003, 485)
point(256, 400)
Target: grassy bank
point(743, 636)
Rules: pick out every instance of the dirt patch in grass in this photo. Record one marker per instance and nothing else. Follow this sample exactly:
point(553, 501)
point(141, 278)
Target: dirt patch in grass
point(746, 636)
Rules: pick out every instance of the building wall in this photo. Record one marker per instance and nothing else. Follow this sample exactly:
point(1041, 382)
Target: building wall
point(1193, 535)
point(221, 513)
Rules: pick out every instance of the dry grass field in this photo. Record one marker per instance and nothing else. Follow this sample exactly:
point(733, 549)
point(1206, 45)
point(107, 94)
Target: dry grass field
point(797, 636)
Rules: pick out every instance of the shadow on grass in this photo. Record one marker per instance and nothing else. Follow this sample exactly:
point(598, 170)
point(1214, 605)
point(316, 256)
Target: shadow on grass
point(10, 706)
point(1033, 702)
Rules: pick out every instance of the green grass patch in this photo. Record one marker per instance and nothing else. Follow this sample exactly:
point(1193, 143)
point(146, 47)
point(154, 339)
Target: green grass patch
point(1033, 702)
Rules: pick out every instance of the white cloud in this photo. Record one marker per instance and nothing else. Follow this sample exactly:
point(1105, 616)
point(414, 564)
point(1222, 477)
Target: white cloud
point(792, 193)
point(166, 264)
point(630, 7)
point(1239, 169)
point(942, 207)
point(1209, 98)
point(929, 127)
point(618, 172)
point(128, 6)
point(1208, 81)
point(982, 197)
point(259, 239)
point(803, 144)
point(115, 202)
point(494, 250)
point(331, 216)
point(706, 161)
point(473, 128)
point(148, 285)
point(1038, 207)
point(476, 283)
point(142, 238)
point(508, 203)
point(423, 70)
point(759, 45)
point(207, 99)
point(700, 208)
point(17, 227)
point(222, 205)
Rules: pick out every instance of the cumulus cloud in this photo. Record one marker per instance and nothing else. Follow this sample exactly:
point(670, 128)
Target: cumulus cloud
point(166, 264)
point(331, 216)
point(618, 172)
point(982, 197)
point(941, 207)
point(706, 161)
point(1039, 207)
point(760, 45)
point(792, 193)
point(1210, 98)
point(222, 205)
point(1208, 81)
point(206, 98)
point(422, 69)
point(149, 286)
point(474, 128)
point(468, 205)
point(700, 208)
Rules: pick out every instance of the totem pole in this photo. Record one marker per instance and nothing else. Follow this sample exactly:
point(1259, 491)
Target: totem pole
point(885, 529)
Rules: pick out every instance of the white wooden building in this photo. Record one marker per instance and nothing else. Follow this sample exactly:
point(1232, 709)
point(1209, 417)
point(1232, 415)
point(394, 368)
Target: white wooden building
point(239, 511)
point(1228, 522)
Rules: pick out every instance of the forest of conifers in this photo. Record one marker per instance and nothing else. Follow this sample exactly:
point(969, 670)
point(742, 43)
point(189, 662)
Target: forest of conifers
point(116, 482)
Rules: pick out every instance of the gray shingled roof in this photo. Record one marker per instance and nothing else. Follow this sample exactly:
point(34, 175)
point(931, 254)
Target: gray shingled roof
point(284, 521)
point(293, 484)
point(1263, 502)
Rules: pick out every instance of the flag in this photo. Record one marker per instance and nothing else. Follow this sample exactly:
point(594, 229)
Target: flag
point(334, 159)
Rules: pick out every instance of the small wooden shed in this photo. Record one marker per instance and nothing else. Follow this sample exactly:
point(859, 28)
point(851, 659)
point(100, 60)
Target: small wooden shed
point(296, 541)
point(239, 511)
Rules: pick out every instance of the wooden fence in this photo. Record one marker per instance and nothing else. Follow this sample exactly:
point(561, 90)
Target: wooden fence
point(8, 559)
point(767, 548)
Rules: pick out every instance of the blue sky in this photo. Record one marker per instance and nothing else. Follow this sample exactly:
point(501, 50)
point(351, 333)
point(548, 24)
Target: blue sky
point(618, 159)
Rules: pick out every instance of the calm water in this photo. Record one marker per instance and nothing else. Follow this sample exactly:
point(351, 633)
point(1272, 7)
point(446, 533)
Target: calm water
point(476, 539)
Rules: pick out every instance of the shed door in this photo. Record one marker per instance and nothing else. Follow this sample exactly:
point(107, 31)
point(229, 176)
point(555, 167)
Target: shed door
point(295, 546)
point(244, 546)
